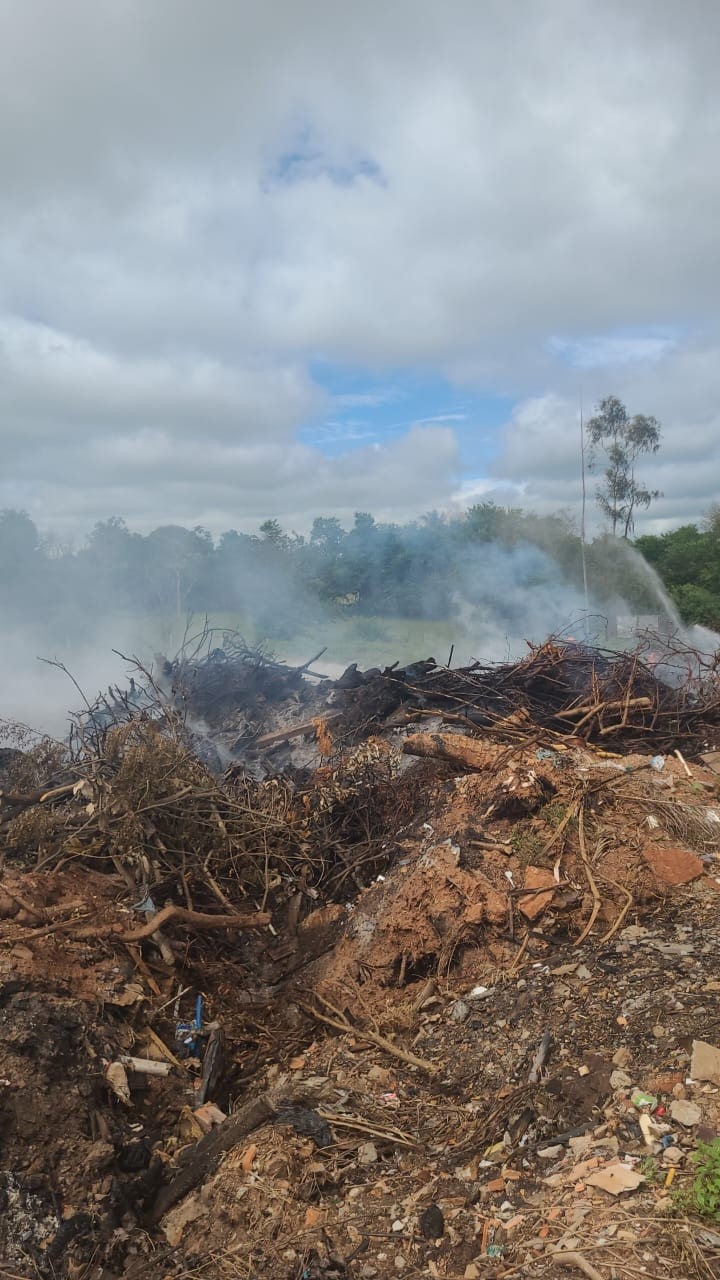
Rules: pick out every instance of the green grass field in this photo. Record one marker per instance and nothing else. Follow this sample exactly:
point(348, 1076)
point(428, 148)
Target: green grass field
point(369, 641)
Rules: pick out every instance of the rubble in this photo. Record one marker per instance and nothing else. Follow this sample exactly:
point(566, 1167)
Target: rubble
point(379, 976)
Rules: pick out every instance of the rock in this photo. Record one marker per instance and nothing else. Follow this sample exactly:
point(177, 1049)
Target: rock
point(551, 1153)
point(458, 1011)
point(621, 1057)
point(620, 1080)
point(705, 1062)
point(367, 1153)
point(432, 1222)
point(665, 1205)
point(672, 1156)
point(685, 1113)
point(673, 866)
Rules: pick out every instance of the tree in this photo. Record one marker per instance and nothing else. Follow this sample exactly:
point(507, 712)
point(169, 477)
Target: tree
point(272, 533)
point(623, 440)
point(327, 532)
point(175, 562)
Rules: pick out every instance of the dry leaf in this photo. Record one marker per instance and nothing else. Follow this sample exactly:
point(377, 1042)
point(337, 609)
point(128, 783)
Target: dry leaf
point(116, 1076)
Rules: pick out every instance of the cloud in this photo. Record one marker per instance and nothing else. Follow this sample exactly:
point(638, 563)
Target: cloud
point(612, 349)
point(538, 462)
point(199, 203)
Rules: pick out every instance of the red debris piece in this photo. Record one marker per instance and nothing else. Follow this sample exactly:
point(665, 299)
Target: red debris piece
point(673, 866)
point(533, 904)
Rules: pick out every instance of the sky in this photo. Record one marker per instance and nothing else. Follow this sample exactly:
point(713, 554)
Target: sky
point(316, 256)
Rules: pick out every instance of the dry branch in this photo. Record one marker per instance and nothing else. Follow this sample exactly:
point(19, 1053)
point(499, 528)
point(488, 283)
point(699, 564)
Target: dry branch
point(375, 1038)
point(196, 920)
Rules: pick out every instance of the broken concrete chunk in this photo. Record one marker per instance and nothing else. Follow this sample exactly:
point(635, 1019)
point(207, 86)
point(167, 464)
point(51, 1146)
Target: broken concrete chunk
point(620, 1080)
point(615, 1178)
point(705, 1063)
point(685, 1113)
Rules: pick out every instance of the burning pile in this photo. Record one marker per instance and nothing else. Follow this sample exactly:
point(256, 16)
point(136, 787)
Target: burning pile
point(372, 842)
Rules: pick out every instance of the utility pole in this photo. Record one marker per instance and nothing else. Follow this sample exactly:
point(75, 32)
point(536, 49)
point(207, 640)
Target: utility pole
point(582, 518)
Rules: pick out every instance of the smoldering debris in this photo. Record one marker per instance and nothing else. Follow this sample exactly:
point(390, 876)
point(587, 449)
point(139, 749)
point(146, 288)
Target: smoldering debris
point(194, 959)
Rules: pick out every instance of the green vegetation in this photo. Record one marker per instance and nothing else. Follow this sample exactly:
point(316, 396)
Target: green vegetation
point(703, 1195)
point(376, 588)
point(688, 562)
point(527, 844)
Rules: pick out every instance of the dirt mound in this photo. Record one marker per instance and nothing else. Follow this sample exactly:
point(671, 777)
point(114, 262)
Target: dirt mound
point(391, 1010)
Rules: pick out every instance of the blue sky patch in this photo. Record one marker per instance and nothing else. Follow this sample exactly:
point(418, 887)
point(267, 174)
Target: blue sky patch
point(368, 409)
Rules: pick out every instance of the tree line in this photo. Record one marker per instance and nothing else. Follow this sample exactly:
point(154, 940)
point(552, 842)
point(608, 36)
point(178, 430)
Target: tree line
point(419, 569)
point(372, 568)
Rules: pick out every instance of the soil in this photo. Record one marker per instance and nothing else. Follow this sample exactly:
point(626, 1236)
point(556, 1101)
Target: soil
point(460, 1039)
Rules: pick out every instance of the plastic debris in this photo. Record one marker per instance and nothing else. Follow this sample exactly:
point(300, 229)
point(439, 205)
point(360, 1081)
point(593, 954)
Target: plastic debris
point(306, 1121)
point(640, 1099)
point(146, 1066)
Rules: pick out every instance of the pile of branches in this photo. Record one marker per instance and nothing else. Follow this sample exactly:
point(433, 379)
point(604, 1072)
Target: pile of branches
point(142, 804)
point(216, 675)
point(577, 691)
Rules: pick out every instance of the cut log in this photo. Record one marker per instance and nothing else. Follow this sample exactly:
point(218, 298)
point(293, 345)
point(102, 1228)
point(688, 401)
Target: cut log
point(197, 1163)
point(457, 748)
point(203, 1158)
